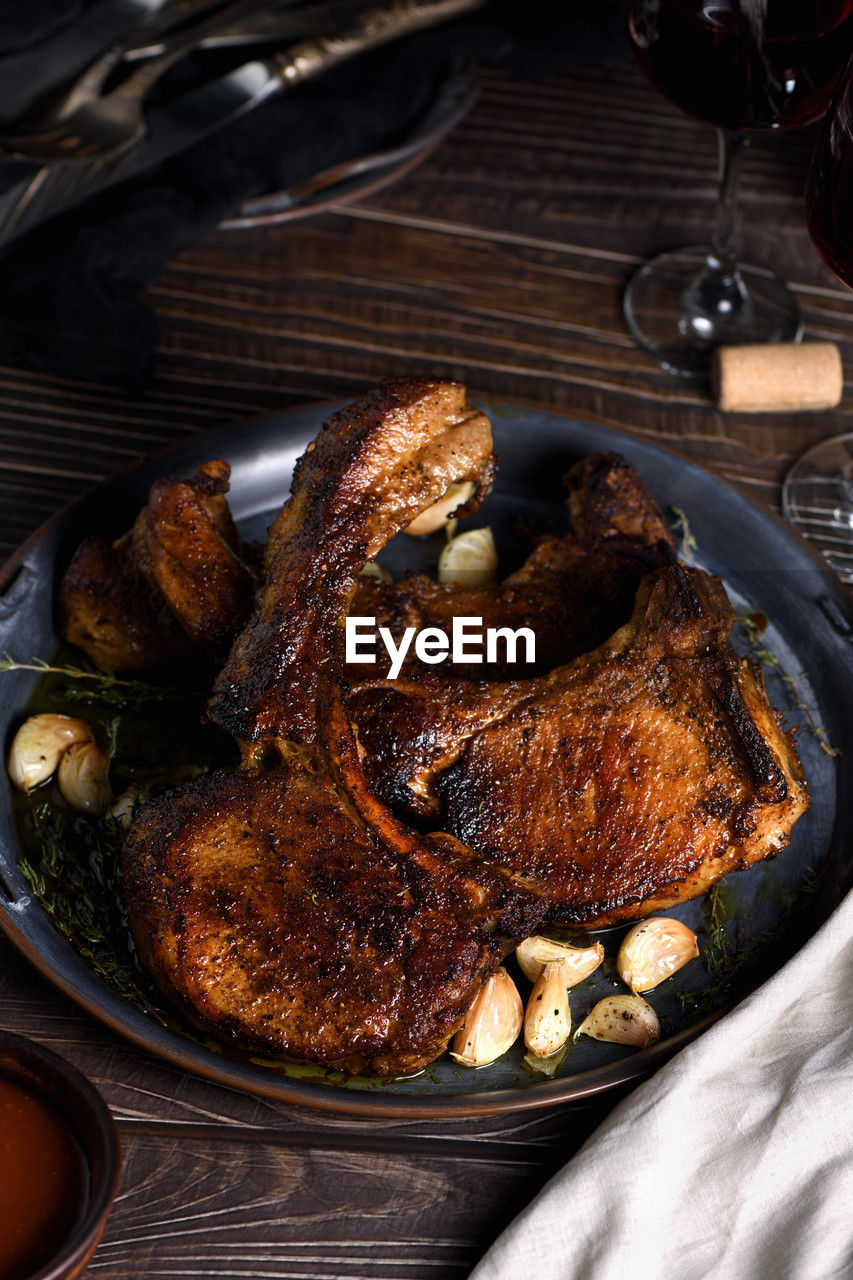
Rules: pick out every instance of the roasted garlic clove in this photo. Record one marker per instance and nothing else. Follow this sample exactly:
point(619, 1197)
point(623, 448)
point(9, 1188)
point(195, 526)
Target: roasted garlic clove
point(622, 1020)
point(547, 1020)
point(535, 952)
point(82, 777)
point(653, 950)
point(40, 744)
point(492, 1023)
point(470, 559)
point(372, 569)
point(440, 512)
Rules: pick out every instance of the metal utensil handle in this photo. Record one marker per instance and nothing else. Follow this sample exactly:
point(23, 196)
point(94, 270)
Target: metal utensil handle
point(180, 43)
point(157, 24)
point(282, 21)
point(164, 19)
point(374, 28)
point(90, 82)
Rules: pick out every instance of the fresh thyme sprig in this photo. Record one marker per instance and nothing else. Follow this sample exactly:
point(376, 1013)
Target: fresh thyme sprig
point(105, 687)
point(752, 630)
point(718, 947)
point(75, 892)
point(725, 955)
point(111, 732)
point(689, 545)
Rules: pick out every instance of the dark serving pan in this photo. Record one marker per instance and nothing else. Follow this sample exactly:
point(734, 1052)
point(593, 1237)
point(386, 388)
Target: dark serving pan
point(765, 565)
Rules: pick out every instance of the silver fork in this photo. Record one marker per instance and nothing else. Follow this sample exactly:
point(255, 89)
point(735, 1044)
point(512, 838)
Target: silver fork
point(56, 188)
point(78, 122)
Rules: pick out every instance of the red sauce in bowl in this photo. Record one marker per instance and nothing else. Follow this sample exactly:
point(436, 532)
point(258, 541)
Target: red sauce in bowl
point(43, 1180)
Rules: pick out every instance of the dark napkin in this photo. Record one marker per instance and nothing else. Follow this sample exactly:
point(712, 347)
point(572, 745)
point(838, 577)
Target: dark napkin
point(71, 292)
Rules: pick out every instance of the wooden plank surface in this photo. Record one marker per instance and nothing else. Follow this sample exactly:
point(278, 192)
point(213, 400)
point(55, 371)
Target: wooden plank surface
point(501, 261)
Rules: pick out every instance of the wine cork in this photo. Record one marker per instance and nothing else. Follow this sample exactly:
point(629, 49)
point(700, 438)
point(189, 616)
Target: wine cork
point(773, 376)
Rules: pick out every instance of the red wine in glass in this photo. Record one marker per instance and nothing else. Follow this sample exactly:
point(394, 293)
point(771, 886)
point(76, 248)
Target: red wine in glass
point(743, 65)
point(753, 64)
point(817, 496)
point(829, 190)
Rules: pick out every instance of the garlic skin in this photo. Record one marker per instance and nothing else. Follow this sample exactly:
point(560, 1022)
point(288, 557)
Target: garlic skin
point(534, 953)
point(82, 777)
point(470, 559)
point(653, 950)
point(372, 569)
point(40, 744)
point(622, 1020)
point(440, 513)
point(548, 1021)
point(492, 1024)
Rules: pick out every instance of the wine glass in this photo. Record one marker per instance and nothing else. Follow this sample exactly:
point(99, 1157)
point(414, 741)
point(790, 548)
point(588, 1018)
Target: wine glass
point(817, 496)
point(742, 65)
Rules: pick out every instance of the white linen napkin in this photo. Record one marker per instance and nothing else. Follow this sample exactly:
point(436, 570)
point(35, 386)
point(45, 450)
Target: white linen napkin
point(735, 1161)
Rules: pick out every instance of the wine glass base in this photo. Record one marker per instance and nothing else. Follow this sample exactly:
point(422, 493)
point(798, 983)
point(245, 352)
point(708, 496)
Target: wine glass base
point(664, 316)
point(817, 498)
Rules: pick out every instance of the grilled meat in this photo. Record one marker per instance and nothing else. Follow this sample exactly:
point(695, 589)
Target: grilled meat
point(372, 468)
point(177, 588)
point(283, 904)
point(108, 609)
point(574, 591)
point(626, 781)
point(171, 591)
point(187, 546)
point(274, 914)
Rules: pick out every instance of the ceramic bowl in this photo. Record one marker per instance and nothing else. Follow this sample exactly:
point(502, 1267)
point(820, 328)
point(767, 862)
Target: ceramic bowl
point(84, 1111)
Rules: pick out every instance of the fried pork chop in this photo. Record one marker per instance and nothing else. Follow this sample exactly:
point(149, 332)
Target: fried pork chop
point(276, 914)
point(171, 591)
point(626, 781)
point(283, 905)
point(177, 588)
point(574, 591)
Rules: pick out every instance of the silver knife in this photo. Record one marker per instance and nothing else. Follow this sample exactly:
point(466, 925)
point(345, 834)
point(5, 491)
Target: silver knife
point(204, 111)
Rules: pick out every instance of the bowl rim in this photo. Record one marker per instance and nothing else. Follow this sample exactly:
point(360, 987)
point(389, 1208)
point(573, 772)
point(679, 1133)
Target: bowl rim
point(85, 1236)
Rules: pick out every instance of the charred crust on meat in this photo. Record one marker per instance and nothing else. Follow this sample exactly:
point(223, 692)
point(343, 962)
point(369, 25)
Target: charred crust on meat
point(286, 906)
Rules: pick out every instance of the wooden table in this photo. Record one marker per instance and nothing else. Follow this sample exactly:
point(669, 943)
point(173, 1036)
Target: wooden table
point(501, 262)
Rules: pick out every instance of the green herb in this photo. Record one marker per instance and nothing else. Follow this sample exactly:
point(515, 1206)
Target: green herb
point(689, 545)
point(725, 955)
point(75, 876)
point(716, 910)
point(104, 687)
point(545, 1066)
point(751, 631)
point(111, 729)
point(72, 861)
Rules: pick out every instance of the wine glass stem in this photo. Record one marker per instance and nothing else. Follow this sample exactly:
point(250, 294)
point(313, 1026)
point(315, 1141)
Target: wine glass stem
point(718, 298)
point(722, 259)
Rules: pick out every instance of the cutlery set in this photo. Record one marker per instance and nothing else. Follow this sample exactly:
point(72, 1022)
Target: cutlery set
point(93, 128)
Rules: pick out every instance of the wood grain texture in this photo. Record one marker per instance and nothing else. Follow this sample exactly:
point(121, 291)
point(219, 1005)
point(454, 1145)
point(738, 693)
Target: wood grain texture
point(501, 261)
